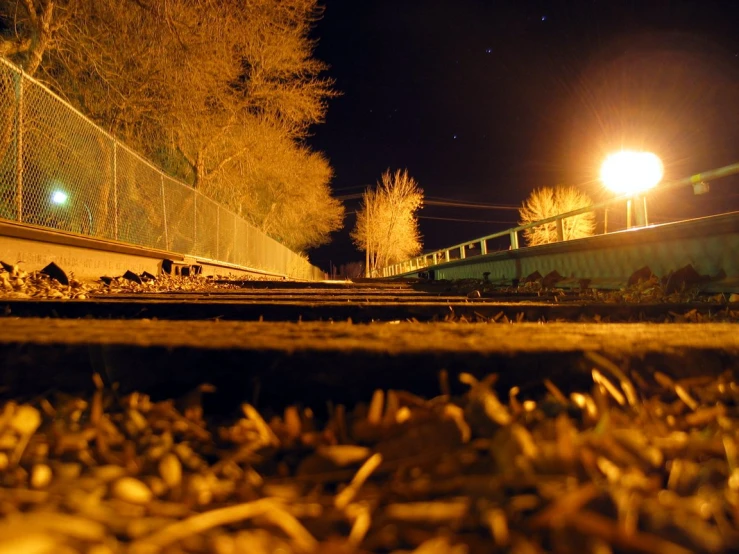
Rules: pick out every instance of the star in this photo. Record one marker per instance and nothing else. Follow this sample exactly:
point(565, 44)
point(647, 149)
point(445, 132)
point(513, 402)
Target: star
point(543, 17)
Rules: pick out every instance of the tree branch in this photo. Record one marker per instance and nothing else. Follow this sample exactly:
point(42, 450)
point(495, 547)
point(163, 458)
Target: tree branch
point(14, 47)
point(228, 159)
point(188, 159)
point(31, 11)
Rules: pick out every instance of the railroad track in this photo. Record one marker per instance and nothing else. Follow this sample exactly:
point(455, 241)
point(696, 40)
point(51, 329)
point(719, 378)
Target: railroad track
point(459, 316)
point(368, 417)
point(406, 417)
point(372, 302)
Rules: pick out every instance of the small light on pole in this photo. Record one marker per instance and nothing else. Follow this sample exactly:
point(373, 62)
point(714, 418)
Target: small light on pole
point(59, 197)
point(632, 173)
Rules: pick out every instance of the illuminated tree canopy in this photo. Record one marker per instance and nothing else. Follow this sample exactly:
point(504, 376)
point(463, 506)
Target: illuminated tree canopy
point(387, 226)
point(547, 202)
point(221, 93)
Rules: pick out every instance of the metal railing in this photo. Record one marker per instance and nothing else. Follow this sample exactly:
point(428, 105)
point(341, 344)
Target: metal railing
point(59, 170)
point(444, 255)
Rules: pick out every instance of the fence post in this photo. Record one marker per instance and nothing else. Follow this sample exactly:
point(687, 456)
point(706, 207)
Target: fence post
point(115, 189)
point(19, 147)
point(461, 252)
point(446, 255)
point(514, 240)
point(164, 213)
point(560, 230)
point(234, 248)
point(218, 231)
point(483, 247)
point(195, 221)
point(640, 211)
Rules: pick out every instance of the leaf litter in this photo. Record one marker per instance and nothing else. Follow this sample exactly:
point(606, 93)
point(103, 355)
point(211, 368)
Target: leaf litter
point(636, 461)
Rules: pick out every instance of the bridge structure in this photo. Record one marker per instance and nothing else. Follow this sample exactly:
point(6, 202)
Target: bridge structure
point(709, 246)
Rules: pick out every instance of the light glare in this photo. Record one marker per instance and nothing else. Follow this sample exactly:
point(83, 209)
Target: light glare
point(628, 172)
point(59, 197)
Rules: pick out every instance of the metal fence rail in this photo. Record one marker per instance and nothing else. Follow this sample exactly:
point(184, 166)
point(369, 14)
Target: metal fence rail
point(61, 171)
point(460, 251)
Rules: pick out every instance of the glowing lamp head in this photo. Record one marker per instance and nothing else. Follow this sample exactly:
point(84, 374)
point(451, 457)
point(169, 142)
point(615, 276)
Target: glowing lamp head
point(630, 173)
point(59, 197)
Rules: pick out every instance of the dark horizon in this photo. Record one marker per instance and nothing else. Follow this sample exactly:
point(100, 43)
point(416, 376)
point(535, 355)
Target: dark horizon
point(484, 101)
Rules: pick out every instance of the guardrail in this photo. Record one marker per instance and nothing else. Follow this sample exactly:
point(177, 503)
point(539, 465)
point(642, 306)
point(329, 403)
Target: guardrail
point(59, 170)
point(444, 255)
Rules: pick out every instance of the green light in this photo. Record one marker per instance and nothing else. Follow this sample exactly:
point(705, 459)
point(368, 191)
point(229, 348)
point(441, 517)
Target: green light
point(59, 197)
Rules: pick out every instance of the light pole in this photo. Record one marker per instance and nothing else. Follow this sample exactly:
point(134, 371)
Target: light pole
point(58, 198)
point(632, 174)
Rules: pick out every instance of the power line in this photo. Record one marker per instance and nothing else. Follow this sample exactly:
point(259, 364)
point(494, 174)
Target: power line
point(455, 219)
point(475, 202)
point(466, 220)
point(352, 188)
point(446, 204)
point(469, 205)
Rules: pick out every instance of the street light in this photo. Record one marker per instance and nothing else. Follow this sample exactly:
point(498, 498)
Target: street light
point(631, 174)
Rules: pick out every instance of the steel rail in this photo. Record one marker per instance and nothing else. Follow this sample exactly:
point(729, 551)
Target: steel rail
point(89, 258)
point(194, 307)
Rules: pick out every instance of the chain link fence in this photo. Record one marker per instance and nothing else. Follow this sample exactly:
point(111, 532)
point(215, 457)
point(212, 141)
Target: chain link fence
point(61, 171)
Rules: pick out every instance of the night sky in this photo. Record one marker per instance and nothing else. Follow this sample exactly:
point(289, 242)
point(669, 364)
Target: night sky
point(485, 100)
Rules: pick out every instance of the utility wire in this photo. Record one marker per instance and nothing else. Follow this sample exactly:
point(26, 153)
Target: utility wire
point(447, 204)
point(466, 220)
point(352, 188)
point(471, 202)
point(455, 219)
point(469, 205)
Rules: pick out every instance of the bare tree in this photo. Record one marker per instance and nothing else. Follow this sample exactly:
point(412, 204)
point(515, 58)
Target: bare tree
point(219, 92)
point(547, 202)
point(193, 73)
point(282, 188)
point(387, 226)
point(29, 29)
